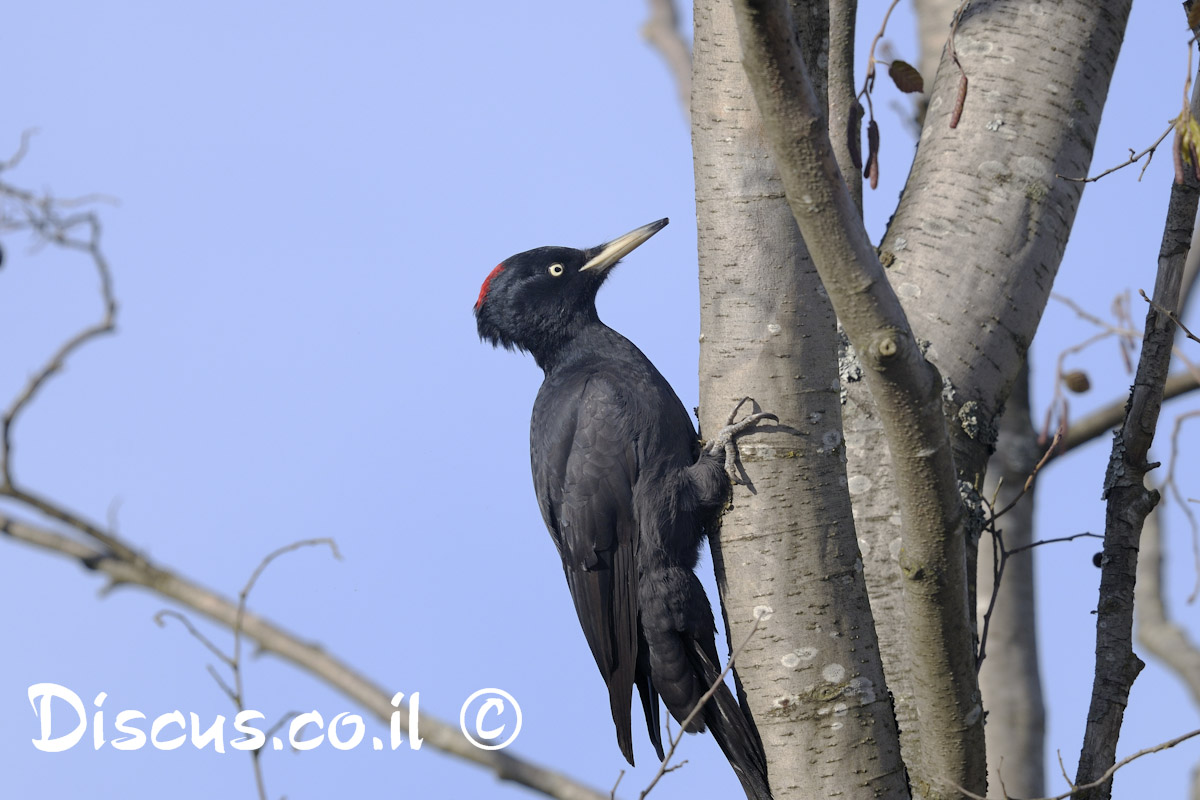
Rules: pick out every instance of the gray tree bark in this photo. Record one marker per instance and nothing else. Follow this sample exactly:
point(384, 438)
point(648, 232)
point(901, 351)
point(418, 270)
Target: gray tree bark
point(812, 675)
point(971, 254)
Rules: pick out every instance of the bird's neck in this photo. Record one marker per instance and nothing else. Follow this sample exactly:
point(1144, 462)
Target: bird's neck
point(581, 342)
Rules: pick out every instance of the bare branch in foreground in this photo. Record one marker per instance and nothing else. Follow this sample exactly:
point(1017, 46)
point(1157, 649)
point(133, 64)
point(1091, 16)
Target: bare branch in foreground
point(1032, 476)
point(312, 659)
point(43, 216)
point(612, 795)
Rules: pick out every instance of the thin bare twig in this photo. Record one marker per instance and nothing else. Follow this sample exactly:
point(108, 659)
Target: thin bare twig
point(237, 692)
point(1172, 315)
point(284, 720)
point(161, 618)
point(1001, 554)
point(871, 170)
point(1106, 418)
point(235, 663)
point(613, 794)
point(71, 519)
point(1133, 159)
point(43, 219)
point(22, 150)
point(1058, 402)
point(1058, 435)
point(869, 80)
point(1167, 745)
point(1055, 540)
point(1063, 768)
point(41, 215)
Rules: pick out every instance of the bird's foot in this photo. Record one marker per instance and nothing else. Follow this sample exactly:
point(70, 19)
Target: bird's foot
point(724, 440)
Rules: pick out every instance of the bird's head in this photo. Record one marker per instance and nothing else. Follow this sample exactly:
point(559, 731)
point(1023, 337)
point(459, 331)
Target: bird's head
point(538, 299)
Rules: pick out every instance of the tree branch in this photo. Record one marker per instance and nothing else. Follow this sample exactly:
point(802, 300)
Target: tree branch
point(1162, 638)
point(1128, 501)
point(42, 216)
point(308, 657)
point(664, 35)
point(1103, 420)
point(1133, 159)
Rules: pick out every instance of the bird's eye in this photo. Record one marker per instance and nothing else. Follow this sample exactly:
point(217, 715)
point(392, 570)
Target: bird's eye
point(556, 270)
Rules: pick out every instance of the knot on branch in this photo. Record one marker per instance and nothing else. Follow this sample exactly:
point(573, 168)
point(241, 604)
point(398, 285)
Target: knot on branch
point(886, 346)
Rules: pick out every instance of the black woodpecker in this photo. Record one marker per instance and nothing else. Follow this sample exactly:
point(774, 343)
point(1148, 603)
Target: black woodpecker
point(626, 491)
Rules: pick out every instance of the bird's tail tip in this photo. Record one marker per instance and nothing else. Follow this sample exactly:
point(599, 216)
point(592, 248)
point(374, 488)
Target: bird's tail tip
point(735, 734)
point(740, 743)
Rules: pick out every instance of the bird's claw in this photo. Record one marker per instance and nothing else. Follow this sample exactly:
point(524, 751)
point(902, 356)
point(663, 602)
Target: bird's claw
point(724, 440)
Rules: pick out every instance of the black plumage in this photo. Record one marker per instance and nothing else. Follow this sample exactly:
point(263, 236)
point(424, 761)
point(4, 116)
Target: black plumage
point(626, 492)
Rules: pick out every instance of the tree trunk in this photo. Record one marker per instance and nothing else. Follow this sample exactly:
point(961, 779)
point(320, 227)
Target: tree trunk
point(812, 674)
point(1009, 678)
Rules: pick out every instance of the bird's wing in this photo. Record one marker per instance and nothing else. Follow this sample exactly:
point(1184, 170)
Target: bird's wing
point(584, 467)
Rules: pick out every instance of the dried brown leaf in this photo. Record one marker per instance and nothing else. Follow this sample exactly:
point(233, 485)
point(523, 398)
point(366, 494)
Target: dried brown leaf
point(906, 77)
point(1077, 381)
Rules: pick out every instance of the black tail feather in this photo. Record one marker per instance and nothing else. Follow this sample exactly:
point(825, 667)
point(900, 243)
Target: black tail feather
point(650, 706)
point(649, 695)
point(732, 729)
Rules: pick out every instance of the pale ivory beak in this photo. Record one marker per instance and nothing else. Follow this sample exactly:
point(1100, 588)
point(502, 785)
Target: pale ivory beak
point(612, 252)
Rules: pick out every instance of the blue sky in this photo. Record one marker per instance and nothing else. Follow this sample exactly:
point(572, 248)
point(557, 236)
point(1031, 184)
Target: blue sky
point(309, 198)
